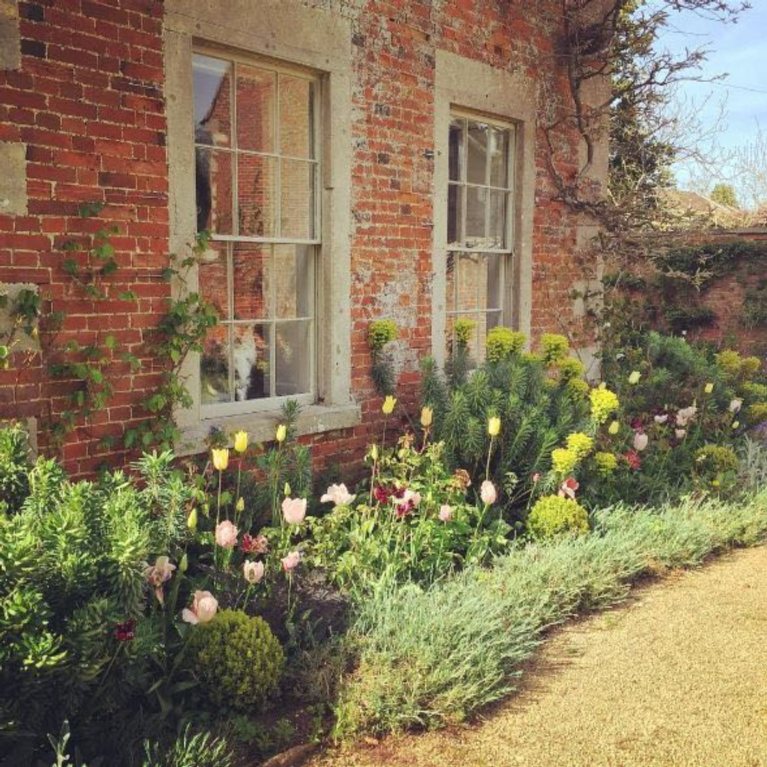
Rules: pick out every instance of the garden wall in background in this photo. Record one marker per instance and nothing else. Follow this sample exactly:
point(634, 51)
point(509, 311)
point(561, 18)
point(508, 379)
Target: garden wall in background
point(712, 286)
point(94, 95)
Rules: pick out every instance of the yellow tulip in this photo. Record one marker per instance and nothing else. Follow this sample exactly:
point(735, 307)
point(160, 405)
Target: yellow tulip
point(494, 426)
point(241, 441)
point(220, 458)
point(240, 507)
point(735, 424)
point(388, 404)
point(614, 427)
point(191, 520)
point(634, 377)
point(427, 417)
point(709, 388)
point(282, 433)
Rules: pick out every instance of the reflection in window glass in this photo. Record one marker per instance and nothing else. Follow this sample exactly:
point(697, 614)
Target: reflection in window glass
point(256, 171)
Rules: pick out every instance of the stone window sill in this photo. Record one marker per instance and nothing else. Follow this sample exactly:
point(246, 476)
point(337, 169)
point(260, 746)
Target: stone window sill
point(314, 419)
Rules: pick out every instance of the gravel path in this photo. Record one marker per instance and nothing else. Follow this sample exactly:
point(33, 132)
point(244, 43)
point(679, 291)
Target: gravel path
point(677, 677)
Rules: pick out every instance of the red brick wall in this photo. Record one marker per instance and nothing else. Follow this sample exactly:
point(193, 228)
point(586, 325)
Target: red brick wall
point(88, 102)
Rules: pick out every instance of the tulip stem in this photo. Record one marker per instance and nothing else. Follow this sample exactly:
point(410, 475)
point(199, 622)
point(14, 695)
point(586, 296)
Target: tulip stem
point(489, 453)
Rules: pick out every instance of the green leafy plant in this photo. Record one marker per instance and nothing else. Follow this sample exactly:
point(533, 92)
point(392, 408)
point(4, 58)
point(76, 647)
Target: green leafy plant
point(237, 659)
point(381, 333)
point(552, 516)
point(190, 749)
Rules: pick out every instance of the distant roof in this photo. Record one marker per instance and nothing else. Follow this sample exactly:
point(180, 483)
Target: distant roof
point(697, 206)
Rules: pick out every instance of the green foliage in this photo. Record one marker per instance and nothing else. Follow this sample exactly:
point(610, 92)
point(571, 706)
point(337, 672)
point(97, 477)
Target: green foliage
point(394, 533)
point(14, 468)
point(431, 657)
point(537, 411)
point(554, 347)
point(190, 750)
point(237, 659)
point(380, 333)
point(724, 194)
point(181, 330)
point(463, 328)
point(552, 516)
point(502, 342)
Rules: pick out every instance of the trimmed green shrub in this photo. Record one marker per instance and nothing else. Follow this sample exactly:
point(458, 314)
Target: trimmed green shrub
point(237, 659)
point(552, 516)
point(14, 467)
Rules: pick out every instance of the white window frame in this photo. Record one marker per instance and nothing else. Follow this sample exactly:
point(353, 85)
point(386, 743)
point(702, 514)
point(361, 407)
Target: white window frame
point(285, 33)
point(215, 411)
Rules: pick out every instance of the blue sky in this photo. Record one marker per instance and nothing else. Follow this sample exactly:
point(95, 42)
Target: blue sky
point(740, 50)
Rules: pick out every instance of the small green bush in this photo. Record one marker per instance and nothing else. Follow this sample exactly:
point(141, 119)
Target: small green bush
point(237, 658)
point(380, 333)
point(502, 342)
point(552, 516)
point(716, 459)
point(554, 347)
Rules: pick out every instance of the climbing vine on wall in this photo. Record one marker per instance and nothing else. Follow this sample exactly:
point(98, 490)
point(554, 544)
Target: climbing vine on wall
point(87, 370)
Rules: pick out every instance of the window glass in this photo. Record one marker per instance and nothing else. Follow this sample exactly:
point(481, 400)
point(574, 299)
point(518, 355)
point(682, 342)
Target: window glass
point(479, 197)
point(256, 174)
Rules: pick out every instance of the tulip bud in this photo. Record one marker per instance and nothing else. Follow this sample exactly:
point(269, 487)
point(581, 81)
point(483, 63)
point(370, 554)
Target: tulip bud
point(191, 520)
point(388, 404)
point(709, 388)
point(282, 433)
point(634, 377)
point(240, 507)
point(183, 565)
point(614, 428)
point(427, 417)
point(494, 426)
point(220, 458)
point(286, 490)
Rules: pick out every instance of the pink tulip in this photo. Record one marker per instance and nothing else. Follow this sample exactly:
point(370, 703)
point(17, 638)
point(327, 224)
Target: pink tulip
point(253, 572)
point(338, 494)
point(445, 513)
point(204, 607)
point(294, 510)
point(568, 488)
point(290, 562)
point(488, 493)
point(226, 534)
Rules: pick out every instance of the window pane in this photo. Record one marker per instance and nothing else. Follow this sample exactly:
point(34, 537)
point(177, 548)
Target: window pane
point(496, 230)
point(498, 150)
point(493, 266)
point(477, 153)
point(251, 269)
point(457, 127)
point(213, 171)
point(214, 366)
point(470, 282)
point(211, 82)
point(255, 109)
point(251, 362)
point(255, 195)
point(213, 278)
point(296, 117)
point(475, 216)
point(455, 196)
point(297, 199)
point(293, 271)
point(293, 358)
point(452, 264)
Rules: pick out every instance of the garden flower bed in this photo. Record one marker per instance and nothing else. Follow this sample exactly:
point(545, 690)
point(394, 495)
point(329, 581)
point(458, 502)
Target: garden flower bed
point(226, 607)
